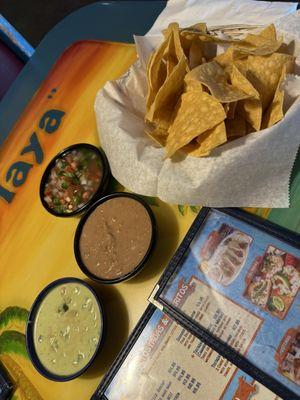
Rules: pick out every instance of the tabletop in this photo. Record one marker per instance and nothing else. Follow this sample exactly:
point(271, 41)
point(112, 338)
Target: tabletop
point(57, 63)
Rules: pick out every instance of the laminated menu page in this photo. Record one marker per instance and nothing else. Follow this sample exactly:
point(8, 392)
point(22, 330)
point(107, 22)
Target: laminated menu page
point(163, 361)
point(235, 280)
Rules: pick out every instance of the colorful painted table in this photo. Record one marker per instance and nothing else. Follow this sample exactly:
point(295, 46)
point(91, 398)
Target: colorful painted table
point(37, 247)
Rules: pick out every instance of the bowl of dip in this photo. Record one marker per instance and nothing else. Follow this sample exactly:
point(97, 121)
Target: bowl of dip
point(115, 238)
point(74, 179)
point(65, 329)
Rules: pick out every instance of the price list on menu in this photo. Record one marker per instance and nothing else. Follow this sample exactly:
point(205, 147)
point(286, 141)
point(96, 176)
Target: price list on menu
point(169, 363)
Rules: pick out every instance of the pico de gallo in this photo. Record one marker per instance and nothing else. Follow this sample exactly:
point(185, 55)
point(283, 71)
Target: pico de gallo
point(73, 180)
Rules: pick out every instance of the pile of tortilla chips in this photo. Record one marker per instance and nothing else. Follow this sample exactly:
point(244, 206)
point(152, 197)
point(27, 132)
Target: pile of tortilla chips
point(198, 100)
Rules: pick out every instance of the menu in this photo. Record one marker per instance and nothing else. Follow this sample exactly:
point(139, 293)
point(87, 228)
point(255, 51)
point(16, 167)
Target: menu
point(166, 362)
point(241, 283)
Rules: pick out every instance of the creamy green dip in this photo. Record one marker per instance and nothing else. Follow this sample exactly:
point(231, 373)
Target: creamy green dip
point(67, 328)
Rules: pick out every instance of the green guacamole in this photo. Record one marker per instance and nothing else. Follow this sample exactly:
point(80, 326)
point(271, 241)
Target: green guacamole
point(67, 328)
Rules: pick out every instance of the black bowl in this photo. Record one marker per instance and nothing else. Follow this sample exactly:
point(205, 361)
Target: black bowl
point(82, 221)
point(30, 331)
point(99, 192)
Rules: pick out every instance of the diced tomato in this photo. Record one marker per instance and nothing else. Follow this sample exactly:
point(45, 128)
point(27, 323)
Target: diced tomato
point(291, 260)
point(71, 192)
point(86, 195)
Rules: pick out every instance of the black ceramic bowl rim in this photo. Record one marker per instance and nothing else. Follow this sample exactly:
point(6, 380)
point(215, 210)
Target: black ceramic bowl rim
point(82, 221)
point(30, 329)
point(101, 189)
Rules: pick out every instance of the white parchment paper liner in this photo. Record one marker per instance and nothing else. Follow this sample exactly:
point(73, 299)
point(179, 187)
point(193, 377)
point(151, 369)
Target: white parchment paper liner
point(253, 171)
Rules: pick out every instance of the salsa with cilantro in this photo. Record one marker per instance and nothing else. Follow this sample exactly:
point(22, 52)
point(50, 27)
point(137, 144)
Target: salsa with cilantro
point(73, 180)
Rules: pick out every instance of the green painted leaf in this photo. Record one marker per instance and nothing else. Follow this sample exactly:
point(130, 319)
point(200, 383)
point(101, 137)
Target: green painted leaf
point(182, 209)
point(195, 209)
point(13, 318)
point(13, 342)
point(152, 201)
point(115, 186)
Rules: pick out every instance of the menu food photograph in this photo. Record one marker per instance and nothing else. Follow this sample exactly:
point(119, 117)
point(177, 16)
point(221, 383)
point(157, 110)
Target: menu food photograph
point(149, 206)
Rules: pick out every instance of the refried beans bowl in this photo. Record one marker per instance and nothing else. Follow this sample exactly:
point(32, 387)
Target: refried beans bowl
point(115, 238)
point(75, 178)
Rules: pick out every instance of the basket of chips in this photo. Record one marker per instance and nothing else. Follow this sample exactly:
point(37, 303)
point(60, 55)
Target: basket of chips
point(206, 117)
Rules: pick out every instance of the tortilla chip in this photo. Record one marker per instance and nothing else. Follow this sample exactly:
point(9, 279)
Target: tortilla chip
point(195, 53)
point(275, 111)
point(170, 66)
point(211, 139)
point(225, 58)
point(193, 146)
point(186, 34)
point(231, 109)
point(268, 33)
point(197, 112)
point(174, 50)
point(249, 128)
point(190, 85)
point(156, 73)
point(158, 138)
point(162, 108)
point(290, 65)
point(241, 82)
point(236, 127)
point(226, 107)
point(262, 43)
point(250, 109)
point(229, 56)
point(205, 36)
point(206, 142)
point(170, 56)
point(207, 40)
point(260, 51)
point(192, 46)
point(287, 48)
point(214, 77)
point(195, 106)
point(176, 46)
point(199, 27)
point(242, 65)
point(186, 45)
point(264, 73)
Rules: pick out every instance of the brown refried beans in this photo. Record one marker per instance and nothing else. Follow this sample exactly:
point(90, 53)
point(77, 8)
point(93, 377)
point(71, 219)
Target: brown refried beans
point(115, 238)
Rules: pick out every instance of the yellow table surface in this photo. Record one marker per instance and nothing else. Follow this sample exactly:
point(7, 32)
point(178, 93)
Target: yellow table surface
point(37, 248)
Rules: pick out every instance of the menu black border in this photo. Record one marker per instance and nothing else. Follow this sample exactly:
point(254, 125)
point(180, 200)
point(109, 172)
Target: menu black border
point(203, 334)
point(143, 321)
